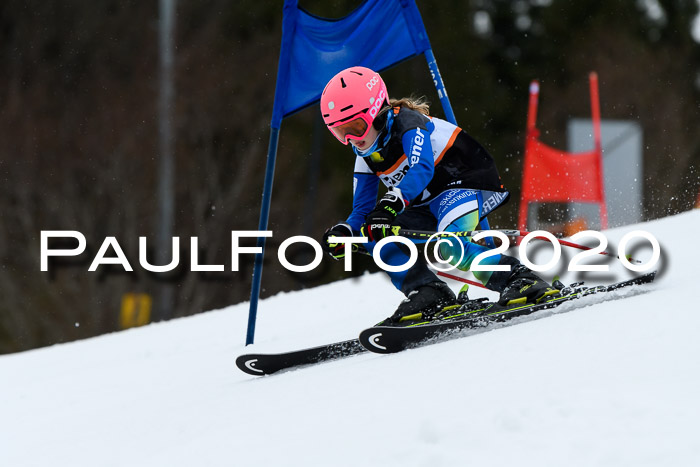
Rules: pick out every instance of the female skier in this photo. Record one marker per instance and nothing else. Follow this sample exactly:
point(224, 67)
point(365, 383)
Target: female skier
point(438, 178)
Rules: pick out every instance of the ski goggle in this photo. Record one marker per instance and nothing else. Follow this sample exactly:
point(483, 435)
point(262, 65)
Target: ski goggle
point(355, 128)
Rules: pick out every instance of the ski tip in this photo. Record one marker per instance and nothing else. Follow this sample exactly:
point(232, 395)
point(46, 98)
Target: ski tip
point(374, 340)
point(248, 364)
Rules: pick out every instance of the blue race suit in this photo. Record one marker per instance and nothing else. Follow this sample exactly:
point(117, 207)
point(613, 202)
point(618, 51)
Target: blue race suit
point(448, 178)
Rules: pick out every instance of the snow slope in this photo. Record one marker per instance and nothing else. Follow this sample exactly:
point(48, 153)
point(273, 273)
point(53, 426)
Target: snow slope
point(614, 384)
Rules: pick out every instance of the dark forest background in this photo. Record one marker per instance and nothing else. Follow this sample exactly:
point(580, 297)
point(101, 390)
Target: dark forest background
point(79, 132)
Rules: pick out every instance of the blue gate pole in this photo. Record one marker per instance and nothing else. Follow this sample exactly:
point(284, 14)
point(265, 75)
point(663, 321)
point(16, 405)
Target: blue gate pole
point(440, 86)
point(447, 108)
point(264, 217)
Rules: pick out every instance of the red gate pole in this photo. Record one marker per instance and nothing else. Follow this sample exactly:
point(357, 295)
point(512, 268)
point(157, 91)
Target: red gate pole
point(595, 115)
point(530, 137)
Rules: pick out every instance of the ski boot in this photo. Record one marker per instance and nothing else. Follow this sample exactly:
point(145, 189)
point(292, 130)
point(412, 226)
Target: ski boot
point(463, 295)
point(524, 286)
point(465, 306)
point(422, 304)
point(468, 305)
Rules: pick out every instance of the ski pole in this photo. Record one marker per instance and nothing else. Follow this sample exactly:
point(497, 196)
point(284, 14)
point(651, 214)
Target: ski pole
point(425, 235)
point(362, 250)
point(581, 247)
point(462, 279)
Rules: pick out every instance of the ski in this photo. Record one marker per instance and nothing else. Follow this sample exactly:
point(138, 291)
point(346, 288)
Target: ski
point(267, 364)
point(474, 317)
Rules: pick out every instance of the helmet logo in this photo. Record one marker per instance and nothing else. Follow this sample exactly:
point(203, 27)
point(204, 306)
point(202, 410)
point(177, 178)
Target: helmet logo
point(331, 105)
point(376, 106)
point(373, 82)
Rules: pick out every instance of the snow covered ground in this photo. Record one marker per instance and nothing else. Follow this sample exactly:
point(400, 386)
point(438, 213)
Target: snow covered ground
point(614, 384)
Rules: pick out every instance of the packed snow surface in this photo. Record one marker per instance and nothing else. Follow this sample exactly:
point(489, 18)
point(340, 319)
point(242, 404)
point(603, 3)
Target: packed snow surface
point(609, 384)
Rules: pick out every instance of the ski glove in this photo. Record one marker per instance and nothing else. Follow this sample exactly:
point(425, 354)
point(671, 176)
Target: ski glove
point(336, 250)
point(378, 222)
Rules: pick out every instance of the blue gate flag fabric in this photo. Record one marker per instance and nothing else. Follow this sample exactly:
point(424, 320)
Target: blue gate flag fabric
point(377, 35)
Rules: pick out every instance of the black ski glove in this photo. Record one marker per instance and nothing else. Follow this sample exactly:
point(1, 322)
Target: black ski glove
point(336, 250)
point(378, 222)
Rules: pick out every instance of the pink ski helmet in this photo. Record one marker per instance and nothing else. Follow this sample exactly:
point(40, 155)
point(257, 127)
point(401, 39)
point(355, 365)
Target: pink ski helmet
point(350, 102)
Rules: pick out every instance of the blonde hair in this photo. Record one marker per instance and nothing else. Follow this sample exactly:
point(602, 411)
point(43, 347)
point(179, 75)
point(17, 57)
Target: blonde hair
point(419, 104)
